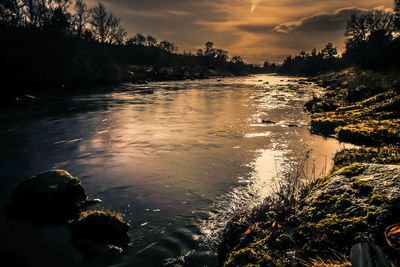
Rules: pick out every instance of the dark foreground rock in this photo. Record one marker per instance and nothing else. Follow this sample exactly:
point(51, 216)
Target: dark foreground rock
point(50, 197)
point(100, 232)
point(46, 225)
point(360, 199)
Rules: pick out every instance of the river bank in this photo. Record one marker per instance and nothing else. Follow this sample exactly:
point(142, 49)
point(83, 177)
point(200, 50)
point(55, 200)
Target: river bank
point(133, 74)
point(317, 222)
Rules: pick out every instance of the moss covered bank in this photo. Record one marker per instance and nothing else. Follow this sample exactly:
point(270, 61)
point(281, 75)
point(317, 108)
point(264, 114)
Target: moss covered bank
point(360, 197)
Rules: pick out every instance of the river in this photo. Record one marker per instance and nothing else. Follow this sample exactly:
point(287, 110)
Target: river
point(178, 159)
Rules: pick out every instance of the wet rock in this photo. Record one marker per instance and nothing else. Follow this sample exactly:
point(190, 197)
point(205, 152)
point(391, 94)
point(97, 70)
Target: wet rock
point(50, 197)
point(309, 105)
point(102, 227)
point(268, 122)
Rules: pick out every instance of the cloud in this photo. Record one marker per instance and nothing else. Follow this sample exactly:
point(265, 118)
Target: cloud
point(254, 4)
point(256, 28)
point(272, 30)
point(320, 23)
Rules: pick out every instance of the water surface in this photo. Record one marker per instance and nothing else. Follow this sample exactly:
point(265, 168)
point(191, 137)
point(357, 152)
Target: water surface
point(177, 158)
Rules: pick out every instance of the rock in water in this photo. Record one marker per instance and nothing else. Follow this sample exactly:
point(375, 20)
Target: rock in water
point(98, 231)
point(49, 197)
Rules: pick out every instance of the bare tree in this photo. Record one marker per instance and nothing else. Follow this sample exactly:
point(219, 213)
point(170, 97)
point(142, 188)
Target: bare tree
point(397, 13)
point(35, 11)
point(11, 12)
point(98, 21)
point(360, 28)
point(117, 33)
point(81, 16)
point(105, 26)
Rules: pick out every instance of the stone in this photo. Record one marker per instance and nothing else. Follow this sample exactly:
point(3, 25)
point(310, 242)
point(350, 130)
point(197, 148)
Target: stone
point(103, 227)
point(49, 197)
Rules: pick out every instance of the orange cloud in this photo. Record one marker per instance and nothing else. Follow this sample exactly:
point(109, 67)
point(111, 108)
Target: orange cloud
point(257, 30)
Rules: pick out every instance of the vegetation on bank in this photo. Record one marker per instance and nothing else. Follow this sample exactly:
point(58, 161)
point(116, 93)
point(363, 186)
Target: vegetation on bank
point(322, 224)
point(55, 43)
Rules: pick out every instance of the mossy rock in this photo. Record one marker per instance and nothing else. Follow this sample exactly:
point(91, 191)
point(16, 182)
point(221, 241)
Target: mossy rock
point(324, 125)
point(103, 227)
point(49, 197)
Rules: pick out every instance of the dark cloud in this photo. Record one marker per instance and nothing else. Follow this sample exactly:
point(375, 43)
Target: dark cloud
point(173, 20)
point(320, 23)
point(259, 29)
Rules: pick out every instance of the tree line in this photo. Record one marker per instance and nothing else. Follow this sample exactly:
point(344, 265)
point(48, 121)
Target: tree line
point(372, 40)
point(52, 43)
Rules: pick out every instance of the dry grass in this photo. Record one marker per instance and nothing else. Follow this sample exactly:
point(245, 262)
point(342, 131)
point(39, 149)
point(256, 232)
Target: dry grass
point(105, 212)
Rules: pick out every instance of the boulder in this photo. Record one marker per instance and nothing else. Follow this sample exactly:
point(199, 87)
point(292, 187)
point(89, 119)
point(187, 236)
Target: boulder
point(102, 227)
point(49, 197)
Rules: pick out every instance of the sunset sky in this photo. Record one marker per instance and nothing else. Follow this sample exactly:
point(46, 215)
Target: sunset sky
point(255, 29)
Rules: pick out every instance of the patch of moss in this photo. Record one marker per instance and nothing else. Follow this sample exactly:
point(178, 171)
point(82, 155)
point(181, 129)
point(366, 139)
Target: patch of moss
point(363, 187)
point(382, 155)
point(343, 203)
point(371, 132)
point(340, 226)
point(377, 200)
point(320, 182)
point(352, 169)
point(255, 252)
point(325, 124)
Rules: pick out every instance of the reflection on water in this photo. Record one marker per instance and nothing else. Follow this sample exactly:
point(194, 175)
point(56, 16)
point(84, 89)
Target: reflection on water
point(179, 160)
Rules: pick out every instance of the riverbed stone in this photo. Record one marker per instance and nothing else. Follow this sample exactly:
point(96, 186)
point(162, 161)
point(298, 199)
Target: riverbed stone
point(49, 197)
point(102, 227)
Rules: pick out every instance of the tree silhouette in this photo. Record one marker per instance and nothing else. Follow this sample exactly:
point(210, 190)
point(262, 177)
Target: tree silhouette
point(105, 26)
point(209, 51)
point(236, 59)
point(81, 17)
point(138, 39)
point(151, 41)
point(329, 51)
point(58, 22)
point(98, 20)
point(397, 13)
point(117, 33)
point(167, 46)
point(11, 12)
point(360, 27)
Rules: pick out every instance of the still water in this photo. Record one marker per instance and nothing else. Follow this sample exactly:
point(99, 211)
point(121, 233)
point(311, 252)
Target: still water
point(177, 158)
